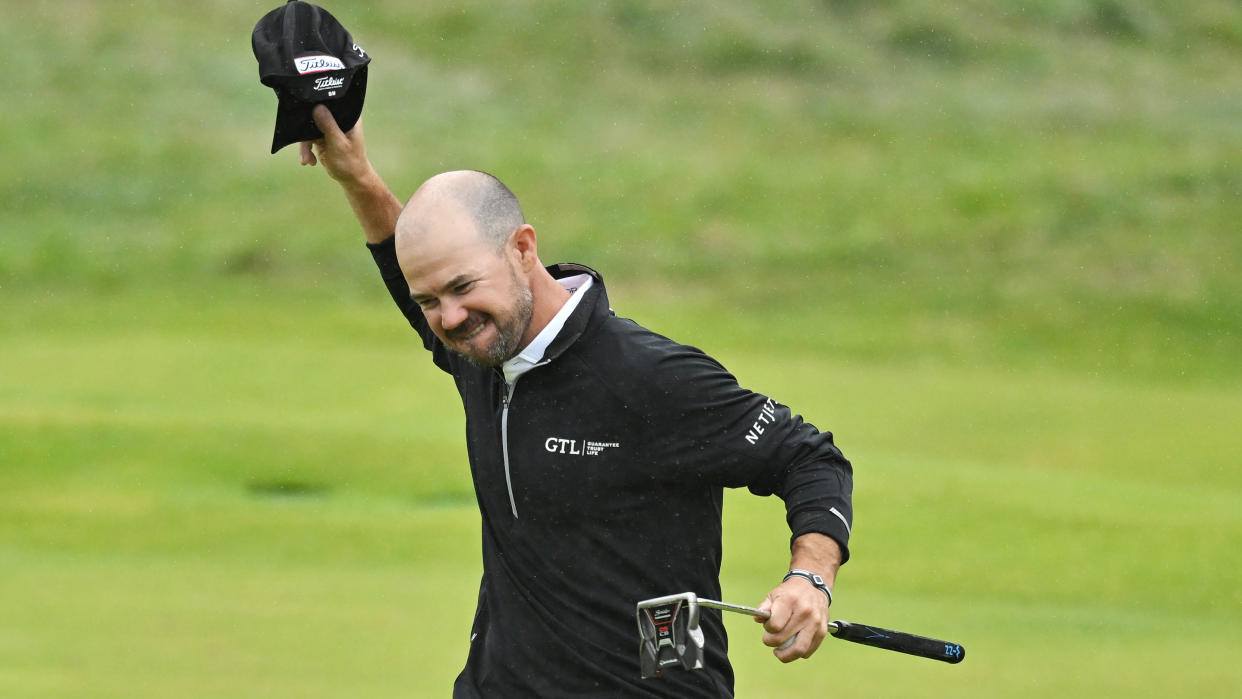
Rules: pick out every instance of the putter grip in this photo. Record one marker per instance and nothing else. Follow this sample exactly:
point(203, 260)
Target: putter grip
point(888, 639)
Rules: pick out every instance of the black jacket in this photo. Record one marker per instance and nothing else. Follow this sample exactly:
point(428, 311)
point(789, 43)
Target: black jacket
point(599, 478)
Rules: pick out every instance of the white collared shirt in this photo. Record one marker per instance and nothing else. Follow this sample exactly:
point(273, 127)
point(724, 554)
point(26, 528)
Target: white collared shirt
point(532, 355)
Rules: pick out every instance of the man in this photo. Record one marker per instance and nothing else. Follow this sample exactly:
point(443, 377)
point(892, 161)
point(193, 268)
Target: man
point(598, 449)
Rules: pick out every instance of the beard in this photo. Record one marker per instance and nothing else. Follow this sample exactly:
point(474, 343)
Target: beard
point(510, 328)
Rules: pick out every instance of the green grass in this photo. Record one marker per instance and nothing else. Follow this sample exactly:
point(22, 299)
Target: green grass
point(992, 246)
point(1046, 521)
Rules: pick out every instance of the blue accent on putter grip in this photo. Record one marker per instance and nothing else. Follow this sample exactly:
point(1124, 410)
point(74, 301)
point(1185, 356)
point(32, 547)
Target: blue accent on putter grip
point(874, 633)
point(952, 650)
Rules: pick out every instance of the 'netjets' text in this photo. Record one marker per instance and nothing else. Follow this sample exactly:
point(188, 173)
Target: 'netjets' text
point(766, 417)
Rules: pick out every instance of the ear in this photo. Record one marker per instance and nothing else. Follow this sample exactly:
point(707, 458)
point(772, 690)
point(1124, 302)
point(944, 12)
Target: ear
point(524, 247)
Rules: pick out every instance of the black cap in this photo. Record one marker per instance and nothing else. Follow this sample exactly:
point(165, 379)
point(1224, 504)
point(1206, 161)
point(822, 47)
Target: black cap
point(308, 58)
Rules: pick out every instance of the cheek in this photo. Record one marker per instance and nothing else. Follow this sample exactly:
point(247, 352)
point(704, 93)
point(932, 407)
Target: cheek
point(483, 304)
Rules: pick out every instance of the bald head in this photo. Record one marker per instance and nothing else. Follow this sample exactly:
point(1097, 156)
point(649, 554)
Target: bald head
point(472, 265)
point(460, 202)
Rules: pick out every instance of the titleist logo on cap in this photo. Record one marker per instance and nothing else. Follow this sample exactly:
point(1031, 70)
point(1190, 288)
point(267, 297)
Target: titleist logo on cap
point(317, 64)
point(328, 82)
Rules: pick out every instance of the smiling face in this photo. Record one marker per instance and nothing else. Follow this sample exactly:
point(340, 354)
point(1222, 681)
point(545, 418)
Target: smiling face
point(472, 264)
point(475, 297)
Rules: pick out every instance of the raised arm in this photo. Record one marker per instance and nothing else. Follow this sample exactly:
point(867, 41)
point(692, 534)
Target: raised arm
point(344, 157)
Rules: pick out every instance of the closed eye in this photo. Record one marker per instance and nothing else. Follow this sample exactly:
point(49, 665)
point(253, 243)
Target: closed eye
point(458, 286)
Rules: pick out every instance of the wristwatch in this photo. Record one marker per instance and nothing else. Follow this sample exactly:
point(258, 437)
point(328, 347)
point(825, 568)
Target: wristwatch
point(812, 578)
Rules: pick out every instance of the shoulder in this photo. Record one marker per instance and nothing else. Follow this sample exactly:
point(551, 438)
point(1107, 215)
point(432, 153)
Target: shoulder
point(637, 346)
point(634, 360)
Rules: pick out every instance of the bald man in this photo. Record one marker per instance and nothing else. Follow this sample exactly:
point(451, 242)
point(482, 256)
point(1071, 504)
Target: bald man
point(599, 450)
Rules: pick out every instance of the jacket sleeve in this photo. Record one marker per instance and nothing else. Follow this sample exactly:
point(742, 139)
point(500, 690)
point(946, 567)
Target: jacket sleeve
point(385, 255)
point(741, 438)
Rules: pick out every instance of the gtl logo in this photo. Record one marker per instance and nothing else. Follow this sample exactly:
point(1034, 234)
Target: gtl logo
point(558, 445)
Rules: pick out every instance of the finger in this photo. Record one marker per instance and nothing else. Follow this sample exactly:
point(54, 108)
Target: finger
point(773, 636)
point(776, 621)
point(799, 637)
point(788, 642)
point(790, 650)
point(765, 606)
point(810, 645)
point(802, 644)
point(327, 123)
point(781, 640)
point(787, 650)
point(308, 154)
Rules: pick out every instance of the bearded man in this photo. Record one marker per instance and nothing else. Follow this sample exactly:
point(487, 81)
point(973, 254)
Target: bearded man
point(599, 450)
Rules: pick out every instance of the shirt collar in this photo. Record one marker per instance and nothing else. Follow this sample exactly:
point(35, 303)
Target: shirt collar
point(532, 355)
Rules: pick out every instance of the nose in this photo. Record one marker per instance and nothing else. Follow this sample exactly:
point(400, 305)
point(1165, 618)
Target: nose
point(452, 314)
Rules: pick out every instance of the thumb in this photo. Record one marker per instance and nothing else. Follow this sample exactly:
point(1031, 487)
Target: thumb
point(765, 606)
point(327, 123)
point(307, 153)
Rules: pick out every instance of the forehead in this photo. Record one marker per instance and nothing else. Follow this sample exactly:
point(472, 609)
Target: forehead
point(434, 257)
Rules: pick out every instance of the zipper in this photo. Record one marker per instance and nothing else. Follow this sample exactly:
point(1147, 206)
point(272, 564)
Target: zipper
point(504, 441)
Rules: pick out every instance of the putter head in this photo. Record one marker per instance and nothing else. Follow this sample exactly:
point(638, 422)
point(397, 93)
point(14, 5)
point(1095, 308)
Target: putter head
point(669, 634)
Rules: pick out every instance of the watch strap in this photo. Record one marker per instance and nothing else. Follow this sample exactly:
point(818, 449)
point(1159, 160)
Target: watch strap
point(812, 578)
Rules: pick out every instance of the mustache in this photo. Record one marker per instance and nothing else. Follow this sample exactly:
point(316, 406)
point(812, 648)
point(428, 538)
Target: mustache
point(469, 325)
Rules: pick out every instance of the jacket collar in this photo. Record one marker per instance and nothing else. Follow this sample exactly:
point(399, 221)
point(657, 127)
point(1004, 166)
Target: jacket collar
point(593, 305)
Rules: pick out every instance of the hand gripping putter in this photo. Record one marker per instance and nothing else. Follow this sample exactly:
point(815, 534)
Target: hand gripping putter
point(669, 634)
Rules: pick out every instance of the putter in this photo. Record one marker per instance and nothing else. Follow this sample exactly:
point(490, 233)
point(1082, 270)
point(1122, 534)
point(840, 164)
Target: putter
point(669, 634)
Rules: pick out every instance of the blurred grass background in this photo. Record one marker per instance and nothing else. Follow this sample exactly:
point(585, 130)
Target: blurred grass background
point(993, 246)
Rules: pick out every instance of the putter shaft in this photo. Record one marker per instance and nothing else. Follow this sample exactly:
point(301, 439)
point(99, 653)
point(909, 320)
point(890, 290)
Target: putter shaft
point(739, 608)
point(752, 611)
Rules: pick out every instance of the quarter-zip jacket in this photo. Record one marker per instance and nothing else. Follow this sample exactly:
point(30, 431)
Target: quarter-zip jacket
point(599, 476)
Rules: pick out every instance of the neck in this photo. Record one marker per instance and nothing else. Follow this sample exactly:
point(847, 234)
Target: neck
point(547, 298)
